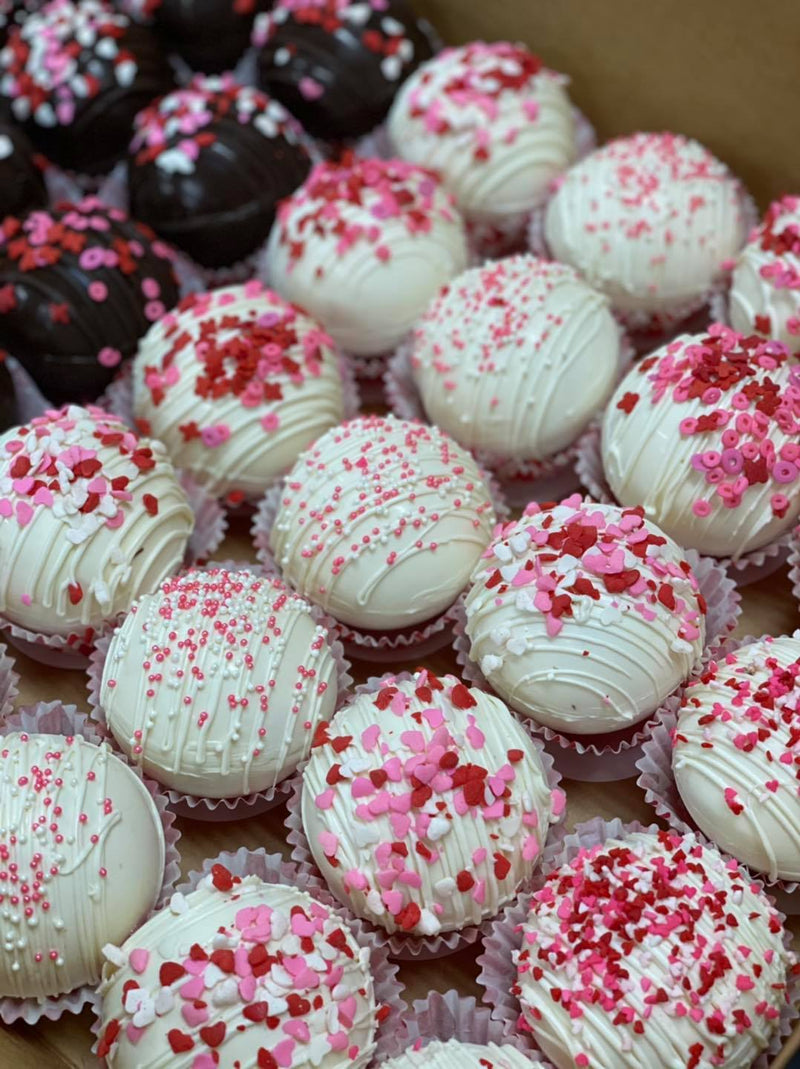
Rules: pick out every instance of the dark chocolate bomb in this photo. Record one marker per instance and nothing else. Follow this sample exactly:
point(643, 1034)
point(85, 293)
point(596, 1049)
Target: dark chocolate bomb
point(337, 66)
point(209, 164)
point(211, 35)
point(78, 287)
point(76, 73)
point(21, 173)
point(8, 401)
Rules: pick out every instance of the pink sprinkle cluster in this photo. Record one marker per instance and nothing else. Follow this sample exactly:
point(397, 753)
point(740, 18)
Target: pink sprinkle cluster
point(239, 613)
point(419, 768)
point(353, 199)
point(578, 549)
point(62, 55)
point(593, 927)
point(58, 462)
point(283, 972)
point(731, 376)
point(762, 718)
point(174, 130)
point(472, 81)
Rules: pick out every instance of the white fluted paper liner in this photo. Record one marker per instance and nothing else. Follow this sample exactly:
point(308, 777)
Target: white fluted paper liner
point(271, 868)
point(31, 402)
point(719, 307)
point(612, 757)
point(54, 718)
point(400, 946)
point(9, 681)
point(498, 975)
point(749, 568)
point(793, 560)
point(197, 807)
point(657, 780)
point(386, 647)
point(73, 651)
point(454, 1016)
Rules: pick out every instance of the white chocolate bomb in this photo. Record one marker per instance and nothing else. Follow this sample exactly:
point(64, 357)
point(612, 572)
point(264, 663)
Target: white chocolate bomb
point(82, 851)
point(216, 682)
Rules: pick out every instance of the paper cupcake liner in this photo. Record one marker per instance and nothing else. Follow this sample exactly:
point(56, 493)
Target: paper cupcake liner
point(498, 976)
point(657, 780)
point(271, 868)
point(399, 946)
point(9, 682)
point(31, 402)
point(73, 651)
point(793, 559)
point(197, 807)
point(453, 1016)
point(54, 718)
point(614, 756)
point(749, 568)
point(386, 647)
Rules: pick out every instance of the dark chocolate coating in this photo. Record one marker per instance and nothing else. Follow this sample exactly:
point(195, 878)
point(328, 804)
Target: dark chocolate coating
point(211, 35)
point(62, 357)
point(356, 95)
point(223, 210)
point(8, 400)
point(21, 174)
point(99, 134)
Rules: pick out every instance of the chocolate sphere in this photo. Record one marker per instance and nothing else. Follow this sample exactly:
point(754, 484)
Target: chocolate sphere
point(79, 285)
point(211, 35)
point(21, 173)
point(337, 66)
point(76, 73)
point(208, 165)
point(8, 401)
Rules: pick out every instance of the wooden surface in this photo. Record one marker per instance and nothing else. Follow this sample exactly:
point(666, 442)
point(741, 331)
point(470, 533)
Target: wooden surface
point(768, 607)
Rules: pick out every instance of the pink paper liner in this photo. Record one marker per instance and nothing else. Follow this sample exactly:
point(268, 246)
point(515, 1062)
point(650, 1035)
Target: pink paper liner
point(454, 1016)
point(73, 651)
point(55, 718)
point(197, 807)
point(521, 481)
point(9, 681)
point(612, 757)
point(657, 780)
point(749, 568)
point(498, 974)
point(271, 868)
point(386, 647)
point(399, 946)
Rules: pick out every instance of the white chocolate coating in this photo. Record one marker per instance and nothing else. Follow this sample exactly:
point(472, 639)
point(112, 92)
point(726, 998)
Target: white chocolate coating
point(492, 121)
point(426, 805)
point(364, 247)
point(110, 521)
point(70, 813)
point(765, 287)
point(381, 522)
point(515, 358)
point(735, 748)
point(704, 434)
point(684, 966)
point(453, 1054)
point(584, 617)
point(239, 973)
point(236, 383)
point(215, 683)
point(648, 219)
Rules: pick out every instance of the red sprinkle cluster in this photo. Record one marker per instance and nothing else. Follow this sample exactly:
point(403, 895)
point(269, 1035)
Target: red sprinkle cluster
point(581, 549)
point(63, 55)
point(728, 379)
point(352, 201)
point(762, 719)
point(593, 927)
